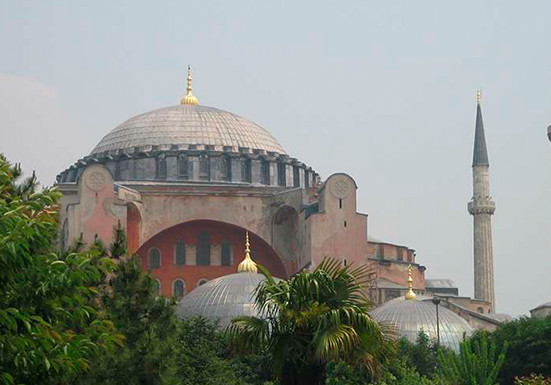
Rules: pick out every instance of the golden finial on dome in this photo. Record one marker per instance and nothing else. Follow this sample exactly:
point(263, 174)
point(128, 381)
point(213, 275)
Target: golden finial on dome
point(410, 294)
point(247, 265)
point(189, 98)
point(478, 96)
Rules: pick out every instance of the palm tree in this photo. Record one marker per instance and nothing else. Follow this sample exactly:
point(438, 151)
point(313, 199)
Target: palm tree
point(312, 319)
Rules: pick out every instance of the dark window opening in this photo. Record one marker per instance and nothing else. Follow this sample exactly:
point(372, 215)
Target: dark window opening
point(154, 258)
point(265, 172)
point(179, 288)
point(344, 223)
point(296, 177)
point(340, 203)
point(157, 287)
point(180, 253)
point(226, 254)
point(281, 174)
point(225, 168)
point(306, 179)
point(183, 166)
point(204, 167)
point(161, 168)
point(400, 254)
point(345, 262)
point(246, 170)
point(203, 249)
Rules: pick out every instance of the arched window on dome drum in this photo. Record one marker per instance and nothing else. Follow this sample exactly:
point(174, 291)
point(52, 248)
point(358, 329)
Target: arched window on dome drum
point(201, 282)
point(204, 167)
point(281, 174)
point(153, 258)
point(225, 251)
point(265, 172)
point(225, 168)
point(183, 167)
point(180, 253)
point(296, 177)
point(246, 170)
point(161, 168)
point(203, 249)
point(157, 287)
point(178, 288)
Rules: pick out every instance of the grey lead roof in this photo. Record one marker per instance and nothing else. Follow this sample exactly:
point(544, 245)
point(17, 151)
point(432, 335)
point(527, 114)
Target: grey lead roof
point(448, 283)
point(223, 299)
point(480, 153)
point(189, 125)
point(408, 317)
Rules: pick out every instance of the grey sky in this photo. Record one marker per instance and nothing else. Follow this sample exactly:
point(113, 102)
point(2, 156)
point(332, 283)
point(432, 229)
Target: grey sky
point(384, 91)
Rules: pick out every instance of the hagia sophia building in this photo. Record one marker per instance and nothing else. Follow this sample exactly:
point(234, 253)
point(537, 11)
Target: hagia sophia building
point(188, 181)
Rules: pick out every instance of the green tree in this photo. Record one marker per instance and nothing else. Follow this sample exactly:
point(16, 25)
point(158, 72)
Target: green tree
point(50, 323)
point(478, 362)
point(529, 348)
point(312, 319)
point(422, 355)
point(149, 325)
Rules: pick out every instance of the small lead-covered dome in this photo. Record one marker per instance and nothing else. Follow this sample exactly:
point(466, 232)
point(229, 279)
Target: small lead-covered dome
point(410, 316)
point(223, 299)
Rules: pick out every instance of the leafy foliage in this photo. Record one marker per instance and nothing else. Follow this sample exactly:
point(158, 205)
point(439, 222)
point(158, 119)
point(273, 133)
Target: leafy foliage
point(423, 355)
point(312, 319)
point(50, 323)
point(478, 362)
point(533, 379)
point(529, 348)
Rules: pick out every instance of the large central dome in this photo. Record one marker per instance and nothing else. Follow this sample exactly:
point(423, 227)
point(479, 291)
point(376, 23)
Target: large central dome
point(188, 124)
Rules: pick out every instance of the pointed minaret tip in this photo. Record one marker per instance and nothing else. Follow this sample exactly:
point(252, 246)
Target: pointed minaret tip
point(480, 153)
point(247, 265)
point(189, 98)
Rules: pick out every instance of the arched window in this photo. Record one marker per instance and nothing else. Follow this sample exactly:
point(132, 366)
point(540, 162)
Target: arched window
point(204, 167)
point(480, 310)
point(201, 282)
point(281, 177)
point(225, 250)
point(203, 249)
point(157, 284)
point(306, 179)
point(246, 170)
point(154, 258)
point(180, 253)
point(265, 172)
point(183, 166)
point(296, 177)
point(161, 167)
point(225, 168)
point(178, 288)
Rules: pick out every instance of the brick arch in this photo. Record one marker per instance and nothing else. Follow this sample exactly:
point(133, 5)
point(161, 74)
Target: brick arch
point(218, 232)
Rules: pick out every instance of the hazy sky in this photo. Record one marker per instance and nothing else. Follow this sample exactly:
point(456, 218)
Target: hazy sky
point(384, 91)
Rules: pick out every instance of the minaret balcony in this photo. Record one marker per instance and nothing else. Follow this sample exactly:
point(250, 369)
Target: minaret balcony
point(481, 206)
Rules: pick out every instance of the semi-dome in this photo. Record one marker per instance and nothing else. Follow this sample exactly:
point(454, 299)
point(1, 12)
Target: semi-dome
point(408, 317)
point(189, 125)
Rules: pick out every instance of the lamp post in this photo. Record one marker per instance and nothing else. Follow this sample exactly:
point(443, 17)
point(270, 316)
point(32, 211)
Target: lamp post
point(436, 301)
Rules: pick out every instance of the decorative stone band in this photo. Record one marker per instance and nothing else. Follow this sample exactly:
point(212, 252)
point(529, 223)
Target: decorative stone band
point(206, 164)
point(486, 206)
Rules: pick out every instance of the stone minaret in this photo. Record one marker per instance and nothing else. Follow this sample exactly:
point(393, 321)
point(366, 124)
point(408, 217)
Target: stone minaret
point(482, 207)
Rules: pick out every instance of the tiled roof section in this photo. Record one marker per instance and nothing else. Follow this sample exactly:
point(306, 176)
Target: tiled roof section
point(480, 154)
point(189, 125)
point(448, 283)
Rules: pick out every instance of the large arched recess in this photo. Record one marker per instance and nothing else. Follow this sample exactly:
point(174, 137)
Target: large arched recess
point(191, 273)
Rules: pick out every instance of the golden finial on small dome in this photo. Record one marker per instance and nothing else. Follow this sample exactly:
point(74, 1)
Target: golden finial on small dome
point(410, 294)
point(189, 98)
point(247, 265)
point(478, 96)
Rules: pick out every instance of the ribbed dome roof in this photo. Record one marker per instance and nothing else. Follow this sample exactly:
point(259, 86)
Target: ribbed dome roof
point(189, 125)
point(411, 316)
point(223, 298)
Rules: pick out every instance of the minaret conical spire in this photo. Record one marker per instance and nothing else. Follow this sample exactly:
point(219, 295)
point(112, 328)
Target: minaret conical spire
point(482, 207)
point(480, 153)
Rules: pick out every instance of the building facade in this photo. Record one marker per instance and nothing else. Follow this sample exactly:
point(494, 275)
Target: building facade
point(187, 181)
